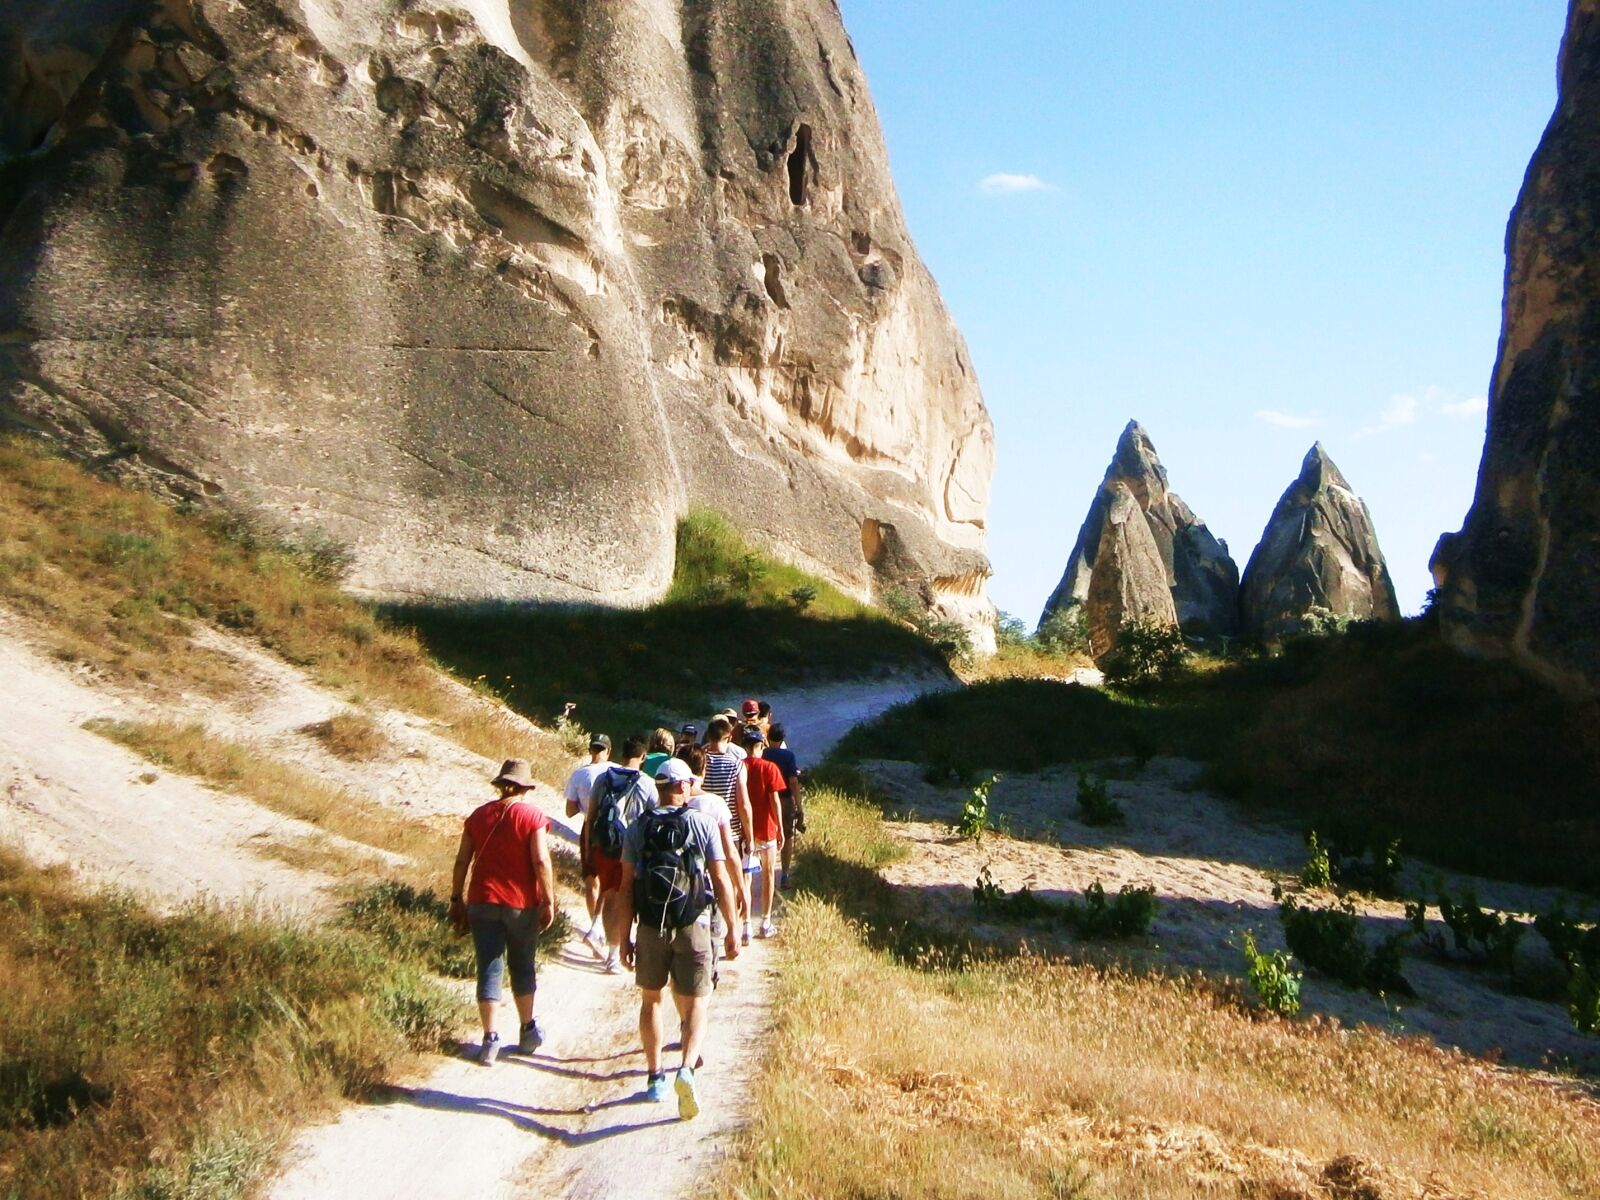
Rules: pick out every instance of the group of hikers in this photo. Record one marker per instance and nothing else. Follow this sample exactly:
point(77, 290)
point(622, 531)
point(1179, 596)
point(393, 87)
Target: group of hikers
point(685, 842)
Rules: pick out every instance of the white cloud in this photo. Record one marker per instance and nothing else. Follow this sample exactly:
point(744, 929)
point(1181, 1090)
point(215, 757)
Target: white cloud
point(1465, 409)
point(1004, 184)
point(1401, 410)
point(1285, 420)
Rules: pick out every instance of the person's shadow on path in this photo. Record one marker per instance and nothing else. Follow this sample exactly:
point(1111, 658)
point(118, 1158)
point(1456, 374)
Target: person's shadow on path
point(523, 1115)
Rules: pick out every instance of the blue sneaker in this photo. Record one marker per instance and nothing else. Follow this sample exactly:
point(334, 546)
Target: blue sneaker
point(532, 1037)
point(688, 1102)
point(657, 1091)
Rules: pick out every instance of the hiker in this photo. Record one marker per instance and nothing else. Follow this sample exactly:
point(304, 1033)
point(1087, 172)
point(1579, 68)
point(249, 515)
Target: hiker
point(672, 867)
point(764, 718)
point(764, 782)
point(579, 784)
point(662, 747)
point(794, 808)
point(510, 903)
point(750, 713)
point(724, 775)
point(618, 798)
point(689, 735)
point(715, 807)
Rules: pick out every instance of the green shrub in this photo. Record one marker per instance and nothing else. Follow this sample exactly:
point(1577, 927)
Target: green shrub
point(974, 819)
point(1146, 650)
point(1129, 913)
point(1577, 946)
point(1329, 940)
point(1485, 933)
point(1318, 871)
point(1064, 632)
point(1096, 804)
point(1274, 981)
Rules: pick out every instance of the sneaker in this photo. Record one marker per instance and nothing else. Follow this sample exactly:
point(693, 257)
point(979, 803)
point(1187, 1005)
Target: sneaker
point(488, 1049)
point(768, 929)
point(744, 938)
point(532, 1037)
point(656, 1092)
point(688, 1102)
point(613, 965)
point(595, 939)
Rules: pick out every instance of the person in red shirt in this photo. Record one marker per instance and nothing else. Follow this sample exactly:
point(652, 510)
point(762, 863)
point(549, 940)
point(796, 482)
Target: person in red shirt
point(765, 783)
point(511, 900)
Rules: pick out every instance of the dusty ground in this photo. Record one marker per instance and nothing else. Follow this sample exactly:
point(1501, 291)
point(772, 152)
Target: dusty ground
point(1214, 869)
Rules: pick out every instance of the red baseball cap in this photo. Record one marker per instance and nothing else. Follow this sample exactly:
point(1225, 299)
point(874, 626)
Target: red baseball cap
point(751, 708)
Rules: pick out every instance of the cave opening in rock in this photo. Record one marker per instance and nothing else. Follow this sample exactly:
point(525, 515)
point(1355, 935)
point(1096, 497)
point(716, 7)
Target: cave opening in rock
point(800, 161)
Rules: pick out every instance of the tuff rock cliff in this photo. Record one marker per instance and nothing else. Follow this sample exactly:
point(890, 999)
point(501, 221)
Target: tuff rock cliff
point(1522, 577)
point(1172, 569)
point(491, 291)
point(1318, 558)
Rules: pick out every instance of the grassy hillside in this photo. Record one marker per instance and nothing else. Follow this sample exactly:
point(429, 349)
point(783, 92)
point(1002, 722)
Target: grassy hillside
point(1375, 733)
point(735, 623)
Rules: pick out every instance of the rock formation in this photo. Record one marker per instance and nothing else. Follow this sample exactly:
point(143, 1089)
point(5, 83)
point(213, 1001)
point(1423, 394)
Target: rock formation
point(1318, 558)
point(1190, 568)
point(1522, 578)
point(490, 291)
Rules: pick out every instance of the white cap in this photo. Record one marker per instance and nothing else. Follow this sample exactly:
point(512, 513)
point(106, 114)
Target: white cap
point(674, 770)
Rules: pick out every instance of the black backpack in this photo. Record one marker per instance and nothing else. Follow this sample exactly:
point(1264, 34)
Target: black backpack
point(670, 886)
point(618, 801)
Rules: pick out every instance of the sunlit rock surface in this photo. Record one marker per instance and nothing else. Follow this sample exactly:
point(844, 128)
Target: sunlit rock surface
point(1318, 559)
point(1190, 565)
point(490, 291)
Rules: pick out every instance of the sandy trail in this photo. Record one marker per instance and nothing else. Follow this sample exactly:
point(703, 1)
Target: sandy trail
point(571, 1120)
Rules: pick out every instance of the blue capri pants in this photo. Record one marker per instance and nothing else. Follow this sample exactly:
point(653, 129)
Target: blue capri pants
point(502, 934)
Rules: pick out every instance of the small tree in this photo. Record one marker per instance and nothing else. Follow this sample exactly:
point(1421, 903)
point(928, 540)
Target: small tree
point(1065, 631)
point(1146, 649)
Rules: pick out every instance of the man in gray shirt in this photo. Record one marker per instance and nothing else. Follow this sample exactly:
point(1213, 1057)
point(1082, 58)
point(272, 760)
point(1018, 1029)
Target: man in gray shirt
point(672, 864)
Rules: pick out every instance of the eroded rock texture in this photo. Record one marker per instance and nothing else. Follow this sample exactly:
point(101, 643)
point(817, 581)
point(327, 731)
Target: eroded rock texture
point(1190, 568)
point(1522, 578)
point(1318, 559)
point(492, 291)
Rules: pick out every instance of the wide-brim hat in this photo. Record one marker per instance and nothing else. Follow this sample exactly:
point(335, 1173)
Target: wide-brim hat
point(514, 771)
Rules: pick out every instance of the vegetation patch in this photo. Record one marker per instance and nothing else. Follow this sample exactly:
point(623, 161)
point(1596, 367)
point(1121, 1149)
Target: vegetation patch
point(194, 1041)
point(734, 621)
point(352, 736)
point(1031, 1090)
point(1129, 913)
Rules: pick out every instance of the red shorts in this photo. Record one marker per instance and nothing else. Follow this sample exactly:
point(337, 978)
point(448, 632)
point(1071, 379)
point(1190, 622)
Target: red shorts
point(609, 870)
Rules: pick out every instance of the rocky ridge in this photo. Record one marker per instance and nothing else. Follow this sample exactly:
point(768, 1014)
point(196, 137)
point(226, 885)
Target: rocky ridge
point(1143, 553)
point(1522, 577)
point(490, 292)
point(1318, 558)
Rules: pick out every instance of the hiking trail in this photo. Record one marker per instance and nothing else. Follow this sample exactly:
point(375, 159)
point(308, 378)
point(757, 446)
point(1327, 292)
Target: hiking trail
point(571, 1120)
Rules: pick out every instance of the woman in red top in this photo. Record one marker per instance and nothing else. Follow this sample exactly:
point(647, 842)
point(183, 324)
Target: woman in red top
point(511, 900)
point(764, 781)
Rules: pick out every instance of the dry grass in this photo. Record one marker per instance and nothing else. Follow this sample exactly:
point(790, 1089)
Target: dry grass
point(115, 580)
point(149, 1058)
point(1027, 1076)
point(1026, 661)
point(352, 736)
point(192, 750)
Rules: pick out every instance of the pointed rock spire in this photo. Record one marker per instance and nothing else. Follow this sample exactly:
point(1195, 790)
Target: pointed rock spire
point(1318, 555)
point(1190, 567)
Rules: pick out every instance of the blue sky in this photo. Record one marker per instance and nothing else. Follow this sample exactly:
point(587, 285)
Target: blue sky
point(1248, 225)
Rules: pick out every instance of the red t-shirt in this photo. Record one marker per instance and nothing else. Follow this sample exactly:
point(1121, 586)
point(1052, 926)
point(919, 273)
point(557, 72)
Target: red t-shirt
point(764, 781)
point(502, 864)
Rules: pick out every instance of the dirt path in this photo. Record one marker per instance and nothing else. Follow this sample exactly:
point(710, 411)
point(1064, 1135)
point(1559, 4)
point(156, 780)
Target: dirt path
point(571, 1120)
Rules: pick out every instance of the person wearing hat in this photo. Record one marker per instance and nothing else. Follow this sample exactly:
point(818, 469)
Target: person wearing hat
point(580, 785)
point(510, 902)
point(679, 952)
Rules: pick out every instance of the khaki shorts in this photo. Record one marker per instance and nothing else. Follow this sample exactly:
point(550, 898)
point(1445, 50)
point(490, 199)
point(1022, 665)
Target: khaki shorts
point(685, 955)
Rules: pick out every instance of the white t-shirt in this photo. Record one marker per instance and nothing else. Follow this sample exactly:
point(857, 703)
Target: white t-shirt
point(738, 751)
point(580, 784)
point(714, 806)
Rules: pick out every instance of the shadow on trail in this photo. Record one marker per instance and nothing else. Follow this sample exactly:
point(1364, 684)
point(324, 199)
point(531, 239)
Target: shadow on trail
point(553, 1067)
point(523, 1115)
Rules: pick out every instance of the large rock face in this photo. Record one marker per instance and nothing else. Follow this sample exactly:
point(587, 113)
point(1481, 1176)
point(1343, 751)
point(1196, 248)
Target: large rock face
point(491, 290)
point(1129, 579)
point(1522, 578)
point(1190, 565)
point(1318, 558)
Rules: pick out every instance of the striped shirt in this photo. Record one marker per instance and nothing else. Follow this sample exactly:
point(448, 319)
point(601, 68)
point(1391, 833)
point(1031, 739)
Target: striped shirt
point(722, 774)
